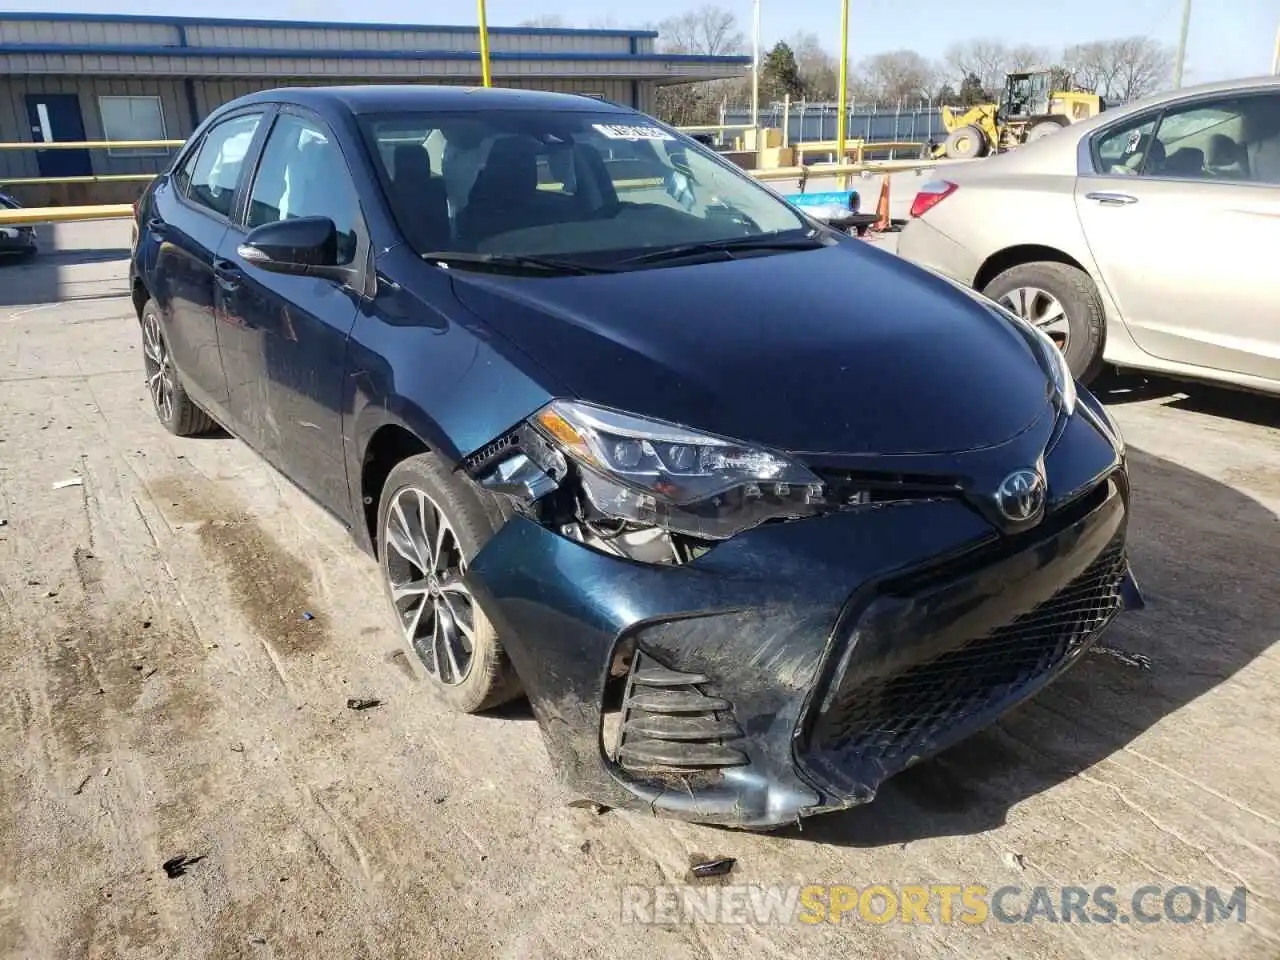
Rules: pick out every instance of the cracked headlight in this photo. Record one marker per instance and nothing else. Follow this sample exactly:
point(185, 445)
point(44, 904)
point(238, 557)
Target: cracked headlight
point(686, 481)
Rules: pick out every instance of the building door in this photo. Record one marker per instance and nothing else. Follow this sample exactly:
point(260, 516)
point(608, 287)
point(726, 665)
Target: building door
point(56, 117)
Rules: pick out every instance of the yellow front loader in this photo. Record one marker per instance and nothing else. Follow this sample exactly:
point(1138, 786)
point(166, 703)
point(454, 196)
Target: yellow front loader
point(1028, 109)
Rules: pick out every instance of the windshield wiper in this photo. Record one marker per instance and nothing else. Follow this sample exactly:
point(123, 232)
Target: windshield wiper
point(501, 260)
point(809, 241)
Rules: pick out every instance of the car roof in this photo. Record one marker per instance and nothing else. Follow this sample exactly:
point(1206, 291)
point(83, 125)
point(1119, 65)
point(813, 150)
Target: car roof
point(1201, 89)
point(398, 98)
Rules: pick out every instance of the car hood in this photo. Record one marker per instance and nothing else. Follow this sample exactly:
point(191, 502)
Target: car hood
point(844, 349)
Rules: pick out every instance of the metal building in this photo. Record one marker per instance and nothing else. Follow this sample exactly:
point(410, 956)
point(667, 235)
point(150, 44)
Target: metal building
point(87, 77)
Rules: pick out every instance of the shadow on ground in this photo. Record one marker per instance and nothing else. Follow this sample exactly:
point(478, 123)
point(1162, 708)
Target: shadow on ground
point(1206, 557)
point(1256, 408)
point(69, 265)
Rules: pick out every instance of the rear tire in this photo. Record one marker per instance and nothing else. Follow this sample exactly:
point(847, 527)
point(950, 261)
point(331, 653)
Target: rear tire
point(452, 648)
point(1031, 289)
point(169, 399)
point(965, 143)
point(1043, 129)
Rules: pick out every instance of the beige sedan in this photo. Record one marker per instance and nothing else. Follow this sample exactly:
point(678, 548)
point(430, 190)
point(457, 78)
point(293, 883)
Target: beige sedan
point(1147, 237)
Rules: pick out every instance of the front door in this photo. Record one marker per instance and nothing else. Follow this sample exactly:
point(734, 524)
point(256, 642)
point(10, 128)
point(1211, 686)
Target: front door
point(284, 338)
point(56, 118)
point(1184, 221)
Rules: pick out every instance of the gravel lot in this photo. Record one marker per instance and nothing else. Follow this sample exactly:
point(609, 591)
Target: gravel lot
point(163, 695)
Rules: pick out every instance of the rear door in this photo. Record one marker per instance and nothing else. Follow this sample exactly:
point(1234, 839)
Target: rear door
point(284, 338)
point(1182, 214)
point(188, 217)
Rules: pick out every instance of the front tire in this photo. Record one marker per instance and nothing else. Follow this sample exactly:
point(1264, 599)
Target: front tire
point(1062, 301)
point(169, 399)
point(966, 143)
point(431, 524)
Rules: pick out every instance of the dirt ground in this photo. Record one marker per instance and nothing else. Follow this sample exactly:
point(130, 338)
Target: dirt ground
point(162, 694)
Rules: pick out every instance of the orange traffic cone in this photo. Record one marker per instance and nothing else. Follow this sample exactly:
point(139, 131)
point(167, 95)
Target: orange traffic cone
point(883, 222)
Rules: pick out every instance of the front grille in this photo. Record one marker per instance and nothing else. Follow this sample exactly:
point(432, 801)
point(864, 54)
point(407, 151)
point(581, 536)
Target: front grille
point(670, 726)
point(886, 721)
point(851, 487)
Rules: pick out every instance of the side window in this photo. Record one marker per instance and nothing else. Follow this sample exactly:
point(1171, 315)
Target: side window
point(1124, 150)
point(217, 168)
point(303, 174)
point(182, 176)
point(1196, 141)
point(1257, 153)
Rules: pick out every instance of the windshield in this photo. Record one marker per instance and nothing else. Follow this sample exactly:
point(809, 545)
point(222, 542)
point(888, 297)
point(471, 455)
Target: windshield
point(588, 186)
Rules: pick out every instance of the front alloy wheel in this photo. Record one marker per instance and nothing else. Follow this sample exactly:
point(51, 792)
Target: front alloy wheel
point(431, 522)
point(424, 572)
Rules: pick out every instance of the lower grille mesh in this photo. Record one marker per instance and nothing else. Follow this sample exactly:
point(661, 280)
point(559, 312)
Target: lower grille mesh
point(888, 719)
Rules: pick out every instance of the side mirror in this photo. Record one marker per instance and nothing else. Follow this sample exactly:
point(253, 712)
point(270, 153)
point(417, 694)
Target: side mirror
point(302, 246)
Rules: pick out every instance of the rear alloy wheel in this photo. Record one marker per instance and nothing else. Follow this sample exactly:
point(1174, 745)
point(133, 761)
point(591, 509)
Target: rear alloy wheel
point(430, 525)
point(173, 407)
point(1063, 302)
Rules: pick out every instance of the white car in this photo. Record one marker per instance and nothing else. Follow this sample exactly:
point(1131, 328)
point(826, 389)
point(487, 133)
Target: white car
point(1146, 237)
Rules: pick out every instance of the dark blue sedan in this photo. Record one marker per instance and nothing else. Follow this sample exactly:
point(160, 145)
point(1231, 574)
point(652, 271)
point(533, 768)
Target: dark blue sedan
point(754, 514)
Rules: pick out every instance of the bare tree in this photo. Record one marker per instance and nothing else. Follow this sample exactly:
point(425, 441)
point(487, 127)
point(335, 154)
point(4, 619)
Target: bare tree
point(819, 68)
point(544, 20)
point(1024, 58)
point(1142, 66)
point(1092, 66)
point(986, 59)
point(708, 30)
point(1120, 69)
point(711, 31)
point(900, 75)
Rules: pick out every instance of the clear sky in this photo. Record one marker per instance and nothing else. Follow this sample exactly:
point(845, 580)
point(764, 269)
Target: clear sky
point(1229, 38)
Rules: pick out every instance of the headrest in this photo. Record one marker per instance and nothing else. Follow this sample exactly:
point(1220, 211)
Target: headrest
point(410, 162)
point(511, 168)
point(1185, 160)
point(1223, 151)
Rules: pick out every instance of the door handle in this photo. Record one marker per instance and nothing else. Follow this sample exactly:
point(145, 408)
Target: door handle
point(227, 274)
point(1112, 199)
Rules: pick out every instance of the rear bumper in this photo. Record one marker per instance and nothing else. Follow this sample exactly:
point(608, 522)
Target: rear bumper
point(795, 667)
point(927, 246)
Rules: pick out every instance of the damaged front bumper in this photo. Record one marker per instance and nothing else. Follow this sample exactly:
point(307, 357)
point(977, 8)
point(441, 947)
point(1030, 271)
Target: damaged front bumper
point(796, 666)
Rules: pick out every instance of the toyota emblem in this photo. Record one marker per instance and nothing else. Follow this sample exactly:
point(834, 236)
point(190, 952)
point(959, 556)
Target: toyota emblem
point(1020, 496)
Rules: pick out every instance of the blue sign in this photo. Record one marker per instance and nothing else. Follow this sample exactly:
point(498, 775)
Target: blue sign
point(848, 199)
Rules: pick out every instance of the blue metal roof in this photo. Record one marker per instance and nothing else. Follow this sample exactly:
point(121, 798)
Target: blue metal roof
point(101, 49)
point(314, 24)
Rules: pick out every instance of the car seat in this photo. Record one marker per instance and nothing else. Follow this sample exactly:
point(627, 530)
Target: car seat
point(596, 195)
point(505, 196)
point(419, 200)
point(1226, 158)
point(1185, 162)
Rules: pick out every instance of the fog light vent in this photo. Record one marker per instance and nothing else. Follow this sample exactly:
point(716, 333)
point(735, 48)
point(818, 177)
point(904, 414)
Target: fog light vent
point(669, 725)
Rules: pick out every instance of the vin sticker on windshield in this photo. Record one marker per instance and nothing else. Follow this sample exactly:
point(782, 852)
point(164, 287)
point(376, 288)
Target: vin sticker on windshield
point(622, 131)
